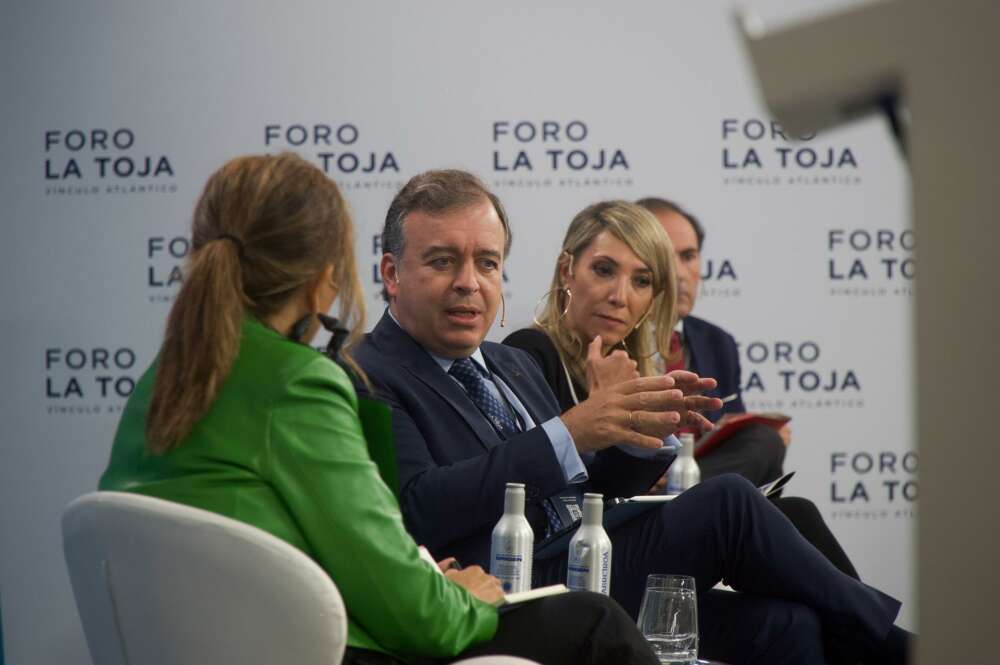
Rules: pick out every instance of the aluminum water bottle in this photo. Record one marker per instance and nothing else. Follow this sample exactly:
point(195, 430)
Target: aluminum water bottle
point(683, 472)
point(513, 543)
point(589, 566)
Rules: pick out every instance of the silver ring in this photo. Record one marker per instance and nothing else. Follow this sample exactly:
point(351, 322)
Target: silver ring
point(630, 423)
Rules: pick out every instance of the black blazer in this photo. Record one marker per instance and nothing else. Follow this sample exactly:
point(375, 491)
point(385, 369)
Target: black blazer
point(714, 353)
point(541, 349)
point(453, 466)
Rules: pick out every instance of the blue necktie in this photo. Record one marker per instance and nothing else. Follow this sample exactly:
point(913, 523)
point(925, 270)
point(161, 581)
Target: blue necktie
point(497, 413)
point(475, 385)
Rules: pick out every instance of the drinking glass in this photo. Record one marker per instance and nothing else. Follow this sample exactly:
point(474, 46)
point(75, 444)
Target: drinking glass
point(668, 618)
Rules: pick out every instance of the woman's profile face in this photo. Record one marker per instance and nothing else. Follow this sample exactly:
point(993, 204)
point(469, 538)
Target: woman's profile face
point(612, 290)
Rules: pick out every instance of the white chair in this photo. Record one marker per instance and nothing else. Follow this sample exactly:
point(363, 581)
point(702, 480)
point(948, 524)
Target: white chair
point(159, 583)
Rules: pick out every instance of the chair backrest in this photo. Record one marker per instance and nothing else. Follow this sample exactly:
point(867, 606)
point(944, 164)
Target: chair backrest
point(159, 583)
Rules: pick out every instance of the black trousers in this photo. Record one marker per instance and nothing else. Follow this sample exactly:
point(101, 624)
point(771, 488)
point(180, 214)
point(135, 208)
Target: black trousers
point(758, 454)
point(793, 599)
point(806, 517)
point(577, 627)
point(570, 629)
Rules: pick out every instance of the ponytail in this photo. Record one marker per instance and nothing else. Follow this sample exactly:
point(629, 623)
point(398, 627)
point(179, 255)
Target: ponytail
point(264, 227)
point(201, 343)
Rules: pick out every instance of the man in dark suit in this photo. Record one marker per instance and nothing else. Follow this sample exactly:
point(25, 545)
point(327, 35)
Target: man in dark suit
point(470, 416)
point(758, 451)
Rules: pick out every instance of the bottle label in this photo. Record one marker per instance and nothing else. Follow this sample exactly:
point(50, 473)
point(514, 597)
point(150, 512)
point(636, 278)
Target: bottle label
point(577, 577)
point(508, 569)
point(581, 576)
point(606, 573)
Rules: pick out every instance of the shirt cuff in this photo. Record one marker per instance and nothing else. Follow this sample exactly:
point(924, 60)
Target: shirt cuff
point(566, 453)
point(670, 448)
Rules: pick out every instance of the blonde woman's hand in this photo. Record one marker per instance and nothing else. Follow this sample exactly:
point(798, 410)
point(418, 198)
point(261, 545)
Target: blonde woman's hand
point(606, 371)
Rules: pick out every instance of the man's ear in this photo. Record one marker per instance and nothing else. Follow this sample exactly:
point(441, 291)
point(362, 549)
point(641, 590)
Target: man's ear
point(389, 269)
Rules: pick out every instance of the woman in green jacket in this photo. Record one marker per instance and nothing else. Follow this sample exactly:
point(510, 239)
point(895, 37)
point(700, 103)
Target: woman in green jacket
point(240, 417)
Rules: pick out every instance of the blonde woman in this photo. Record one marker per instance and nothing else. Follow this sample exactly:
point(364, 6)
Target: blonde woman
point(615, 280)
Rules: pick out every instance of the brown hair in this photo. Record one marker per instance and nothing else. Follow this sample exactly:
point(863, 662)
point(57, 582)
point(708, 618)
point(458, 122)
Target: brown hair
point(656, 206)
point(264, 227)
point(638, 228)
point(436, 192)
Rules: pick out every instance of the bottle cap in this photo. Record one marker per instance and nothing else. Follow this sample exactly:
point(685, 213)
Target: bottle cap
point(593, 508)
point(513, 502)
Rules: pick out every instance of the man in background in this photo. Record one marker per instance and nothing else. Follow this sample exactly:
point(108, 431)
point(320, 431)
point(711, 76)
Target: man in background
point(756, 452)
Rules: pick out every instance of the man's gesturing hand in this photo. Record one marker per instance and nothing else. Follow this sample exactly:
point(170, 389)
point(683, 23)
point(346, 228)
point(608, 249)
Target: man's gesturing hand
point(692, 386)
point(641, 412)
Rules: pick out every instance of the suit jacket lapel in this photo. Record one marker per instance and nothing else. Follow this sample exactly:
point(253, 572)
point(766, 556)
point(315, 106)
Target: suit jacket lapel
point(395, 342)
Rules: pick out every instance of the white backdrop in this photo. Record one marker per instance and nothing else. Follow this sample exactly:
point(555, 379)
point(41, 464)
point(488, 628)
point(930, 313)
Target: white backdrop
point(120, 111)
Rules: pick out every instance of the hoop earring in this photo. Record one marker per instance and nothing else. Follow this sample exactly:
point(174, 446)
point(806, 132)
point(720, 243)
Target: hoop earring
point(569, 299)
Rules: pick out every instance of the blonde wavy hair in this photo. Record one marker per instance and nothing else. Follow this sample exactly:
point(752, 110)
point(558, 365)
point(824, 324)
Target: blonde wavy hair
point(642, 233)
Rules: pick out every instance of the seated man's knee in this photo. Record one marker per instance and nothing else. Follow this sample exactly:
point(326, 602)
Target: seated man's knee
point(728, 484)
point(726, 493)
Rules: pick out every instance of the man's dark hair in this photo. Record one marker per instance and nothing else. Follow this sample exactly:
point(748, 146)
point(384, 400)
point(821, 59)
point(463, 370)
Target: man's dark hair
point(435, 193)
point(655, 205)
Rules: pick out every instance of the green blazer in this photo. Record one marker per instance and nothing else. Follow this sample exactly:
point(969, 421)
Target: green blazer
point(282, 449)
